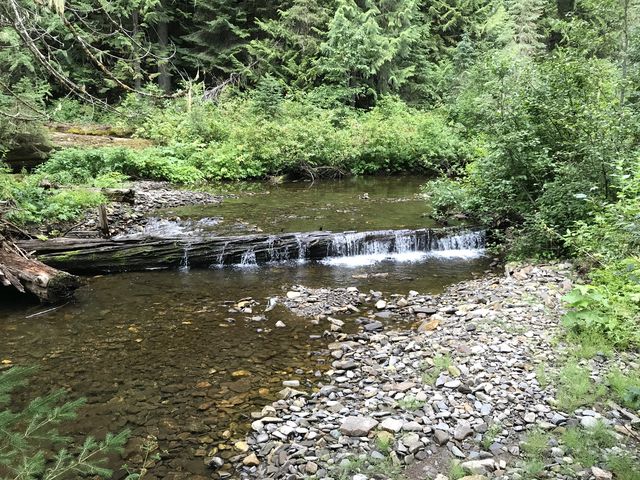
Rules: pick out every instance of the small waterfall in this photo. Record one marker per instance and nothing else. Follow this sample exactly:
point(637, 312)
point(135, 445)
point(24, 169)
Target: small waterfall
point(357, 249)
point(302, 248)
point(473, 240)
point(275, 252)
point(354, 248)
point(355, 243)
point(184, 262)
point(220, 260)
point(406, 242)
point(248, 259)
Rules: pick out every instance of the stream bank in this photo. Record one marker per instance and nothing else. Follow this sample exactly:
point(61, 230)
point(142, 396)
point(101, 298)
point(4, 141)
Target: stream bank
point(463, 381)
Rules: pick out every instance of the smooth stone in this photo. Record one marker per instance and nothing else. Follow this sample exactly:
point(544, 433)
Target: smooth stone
point(358, 426)
point(589, 422)
point(479, 466)
point(462, 431)
point(391, 425)
point(601, 474)
point(441, 437)
point(251, 460)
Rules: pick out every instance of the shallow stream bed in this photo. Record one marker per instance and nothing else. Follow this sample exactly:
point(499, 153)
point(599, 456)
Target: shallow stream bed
point(162, 354)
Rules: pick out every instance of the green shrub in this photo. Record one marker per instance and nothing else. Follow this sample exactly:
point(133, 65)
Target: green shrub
point(31, 203)
point(447, 196)
point(247, 137)
point(98, 166)
point(610, 306)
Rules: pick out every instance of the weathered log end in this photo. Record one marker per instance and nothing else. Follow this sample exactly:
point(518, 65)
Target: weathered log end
point(28, 275)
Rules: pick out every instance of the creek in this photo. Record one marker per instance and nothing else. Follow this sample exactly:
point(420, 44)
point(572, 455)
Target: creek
point(170, 354)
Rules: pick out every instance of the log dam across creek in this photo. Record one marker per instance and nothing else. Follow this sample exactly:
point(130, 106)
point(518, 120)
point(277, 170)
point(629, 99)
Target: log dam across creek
point(85, 256)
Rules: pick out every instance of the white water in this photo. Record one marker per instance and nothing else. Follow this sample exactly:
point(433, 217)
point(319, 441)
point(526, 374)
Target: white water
point(364, 260)
point(356, 249)
point(248, 259)
point(184, 263)
point(163, 228)
point(353, 250)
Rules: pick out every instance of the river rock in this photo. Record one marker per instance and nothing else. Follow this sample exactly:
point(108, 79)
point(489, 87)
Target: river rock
point(441, 437)
point(427, 410)
point(601, 474)
point(251, 460)
point(462, 431)
point(358, 426)
point(391, 425)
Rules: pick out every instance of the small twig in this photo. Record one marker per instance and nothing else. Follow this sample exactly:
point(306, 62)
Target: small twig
point(46, 311)
point(16, 228)
point(72, 228)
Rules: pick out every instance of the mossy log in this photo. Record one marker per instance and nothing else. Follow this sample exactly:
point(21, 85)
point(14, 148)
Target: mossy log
point(87, 256)
point(26, 274)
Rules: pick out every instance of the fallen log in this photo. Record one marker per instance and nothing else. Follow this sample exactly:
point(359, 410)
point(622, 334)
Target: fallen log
point(86, 256)
point(27, 274)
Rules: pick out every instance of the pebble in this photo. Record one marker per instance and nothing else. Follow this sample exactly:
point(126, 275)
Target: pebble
point(385, 386)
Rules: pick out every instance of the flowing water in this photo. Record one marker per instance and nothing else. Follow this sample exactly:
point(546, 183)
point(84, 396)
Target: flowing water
point(167, 355)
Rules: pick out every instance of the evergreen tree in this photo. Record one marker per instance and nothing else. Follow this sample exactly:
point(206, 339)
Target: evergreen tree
point(525, 17)
point(368, 48)
point(218, 42)
point(292, 44)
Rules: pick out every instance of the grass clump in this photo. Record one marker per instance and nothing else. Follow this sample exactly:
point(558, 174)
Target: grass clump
point(585, 445)
point(384, 442)
point(352, 465)
point(624, 467)
point(410, 403)
point(587, 345)
point(542, 376)
point(535, 448)
point(440, 364)
point(575, 387)
point(536, 444)
point(490, 435)
point(457, 471)
point(625, 387)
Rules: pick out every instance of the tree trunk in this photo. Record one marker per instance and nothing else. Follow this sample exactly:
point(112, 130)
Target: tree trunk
point(26, 274)
point(164, 77)
point(137, 70)
point(87, 256)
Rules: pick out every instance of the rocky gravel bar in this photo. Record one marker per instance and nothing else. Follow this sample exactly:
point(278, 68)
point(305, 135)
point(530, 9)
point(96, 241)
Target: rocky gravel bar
point(149, 196)
point(459, 379)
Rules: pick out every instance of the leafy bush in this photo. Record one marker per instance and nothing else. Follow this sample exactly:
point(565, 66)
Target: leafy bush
point(610, 305)
point(251, 137)
point(447, 196)
point(98, 166)
point(29, 202)
point(553, 127)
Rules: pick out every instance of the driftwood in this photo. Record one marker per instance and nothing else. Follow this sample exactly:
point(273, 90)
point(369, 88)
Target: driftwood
point(26, 274)
point(85, 256)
